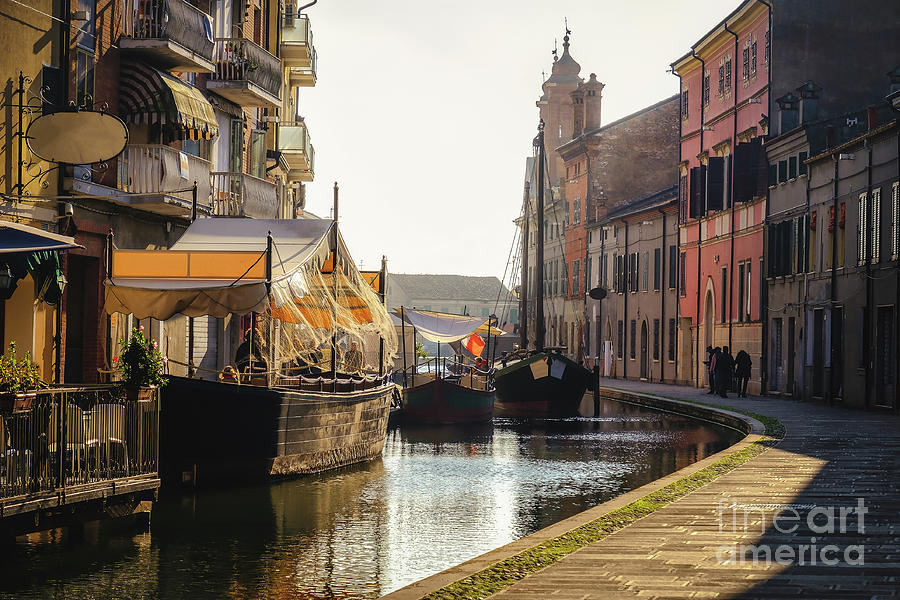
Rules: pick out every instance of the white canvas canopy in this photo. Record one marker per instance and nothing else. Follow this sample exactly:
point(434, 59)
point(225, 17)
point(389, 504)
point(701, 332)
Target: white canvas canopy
point(441, 327)
point(198, 276)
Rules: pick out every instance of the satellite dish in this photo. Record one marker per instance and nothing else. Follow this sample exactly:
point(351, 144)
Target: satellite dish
point(598, 293)
point(77, 138)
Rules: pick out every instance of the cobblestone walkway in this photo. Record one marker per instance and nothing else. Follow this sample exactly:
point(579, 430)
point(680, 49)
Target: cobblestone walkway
point(703, 545)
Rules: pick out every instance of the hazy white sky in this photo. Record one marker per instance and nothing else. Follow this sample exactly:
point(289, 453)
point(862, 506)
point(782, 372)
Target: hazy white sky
point(424, 111)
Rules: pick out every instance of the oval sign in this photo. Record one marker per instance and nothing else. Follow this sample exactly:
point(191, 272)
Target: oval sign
point(598, 293)
point(77, 138)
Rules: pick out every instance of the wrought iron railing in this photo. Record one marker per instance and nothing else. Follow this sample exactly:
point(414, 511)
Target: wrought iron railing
point(174, 20)
point(243, 195)
point(239, 59)
point(157, 169)
point(58, 439)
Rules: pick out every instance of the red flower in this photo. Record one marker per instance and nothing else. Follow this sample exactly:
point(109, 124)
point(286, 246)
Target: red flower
point(116, 358)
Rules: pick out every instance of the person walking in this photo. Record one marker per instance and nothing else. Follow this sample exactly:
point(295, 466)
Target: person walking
point(710, 369)
point(724, 366)
point(743, 365)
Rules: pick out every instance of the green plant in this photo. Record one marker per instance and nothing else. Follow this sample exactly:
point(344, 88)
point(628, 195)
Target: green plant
point(141, 362)
point(420, 351)
point(19, 375)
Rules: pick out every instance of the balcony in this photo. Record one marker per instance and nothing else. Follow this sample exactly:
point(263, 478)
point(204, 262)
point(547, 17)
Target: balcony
point(243, 195)
point(297, 50)
point(297, 151)
point(245, 73)
point(170, 34)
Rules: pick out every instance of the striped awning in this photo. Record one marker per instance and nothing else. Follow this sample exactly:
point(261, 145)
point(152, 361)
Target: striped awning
point(149, 96)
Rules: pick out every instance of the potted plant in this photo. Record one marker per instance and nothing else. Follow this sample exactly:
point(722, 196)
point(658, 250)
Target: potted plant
point(142, 365)
point(17, 378)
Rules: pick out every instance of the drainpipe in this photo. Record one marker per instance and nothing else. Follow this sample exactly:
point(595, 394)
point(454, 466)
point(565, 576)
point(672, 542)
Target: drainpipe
point(764, 292)
point(662, 299)
point(678, 224)
point(699, 231)
point(626, 326)
point(586, 276)
point(873, 227)
point(731, 266)
point(834, 205)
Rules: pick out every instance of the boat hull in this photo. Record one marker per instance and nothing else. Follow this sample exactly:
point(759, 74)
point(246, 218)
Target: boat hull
point(215, 433)
point(532, 387)
point(440, 402)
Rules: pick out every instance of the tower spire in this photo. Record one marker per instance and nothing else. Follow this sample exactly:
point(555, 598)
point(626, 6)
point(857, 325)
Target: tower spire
point(554, 50)
point(566, 37)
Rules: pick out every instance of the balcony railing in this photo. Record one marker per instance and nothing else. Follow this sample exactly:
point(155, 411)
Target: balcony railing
point(149, 22)
point(243, 195)
point(163, 176)
point(297, 150)
point(297, 48)
point(245, 73)
point(61, 439)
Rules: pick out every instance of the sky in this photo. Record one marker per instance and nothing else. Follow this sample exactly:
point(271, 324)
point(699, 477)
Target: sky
point(424, 111)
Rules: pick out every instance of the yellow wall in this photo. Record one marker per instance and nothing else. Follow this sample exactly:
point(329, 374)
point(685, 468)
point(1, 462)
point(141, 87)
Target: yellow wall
point(30, 326)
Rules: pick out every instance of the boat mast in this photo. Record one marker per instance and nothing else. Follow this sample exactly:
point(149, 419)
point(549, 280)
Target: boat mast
point(334, 276)
point(539, 255)
point(523, 287)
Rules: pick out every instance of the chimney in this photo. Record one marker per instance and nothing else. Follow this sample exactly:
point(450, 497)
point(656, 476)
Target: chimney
point(592, 91)
point(809, 101)
point(872, 117)
point(787, 112)
point(578, 110)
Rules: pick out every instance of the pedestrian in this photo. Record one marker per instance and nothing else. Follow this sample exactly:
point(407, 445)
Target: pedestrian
point(724, 367)
point(743, 365)
point(710, 363)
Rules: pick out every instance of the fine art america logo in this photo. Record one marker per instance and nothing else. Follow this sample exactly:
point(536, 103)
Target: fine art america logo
point(813, 533)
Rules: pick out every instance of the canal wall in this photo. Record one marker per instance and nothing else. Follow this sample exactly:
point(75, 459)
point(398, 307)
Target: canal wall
point(753, 428)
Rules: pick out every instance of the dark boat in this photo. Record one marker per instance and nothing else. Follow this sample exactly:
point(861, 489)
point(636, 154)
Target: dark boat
point(543, 381)
point(445, 402)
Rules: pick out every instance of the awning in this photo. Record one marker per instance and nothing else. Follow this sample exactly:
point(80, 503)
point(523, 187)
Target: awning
point(446, 328)
point(149, 96)
point(216, 268)
point(15, 237)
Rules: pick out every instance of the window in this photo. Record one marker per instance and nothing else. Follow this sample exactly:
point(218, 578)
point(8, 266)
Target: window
point(813, 246)
point(85, 37)
point(745, 71)
point(632, 338)
point(706, 88)
point(673, 266)
point(576, 273)
point(782, 171)
point(566, 217)
point(895, 221)
point(564, 279)
point(753, 57)
point(236, 147)
point(576, 211)
point(84, 78)
point(657, 265)
point(876, 225)
point(747, 307)
point(672, 340)
point(645, 274)
point(604, 271)
point(841, 235)
point(615, 281)
point(728, 75)
point(862, 230)
point(741, 291)
point(768, 45)
point(684, 104)
point(619, 340)
point(721, 80)
point(801, 166)
point(682, 276)
point(723, 292)
point(258, 153)
point(792, 167)
point(655, 339)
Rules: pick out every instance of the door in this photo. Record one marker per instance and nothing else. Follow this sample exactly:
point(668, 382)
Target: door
point(884, 357)
point(645, 363)
point(818, 352)
point(777, 356)
point(789, 384)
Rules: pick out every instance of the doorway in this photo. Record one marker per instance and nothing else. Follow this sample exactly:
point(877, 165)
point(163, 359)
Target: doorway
point(645, 363)
point(818, 341)
point(709, 320)
point(884, 357)
point(789, 384)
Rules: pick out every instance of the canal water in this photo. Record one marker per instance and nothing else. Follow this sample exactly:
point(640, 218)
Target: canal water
point(437, 497)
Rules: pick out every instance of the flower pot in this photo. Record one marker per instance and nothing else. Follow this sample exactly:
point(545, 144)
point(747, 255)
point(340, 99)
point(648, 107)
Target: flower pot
point(141, 394)
point(10, 402)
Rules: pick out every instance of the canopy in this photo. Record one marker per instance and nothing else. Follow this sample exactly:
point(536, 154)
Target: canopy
point(151, 96)
point(15, 237)
point(444, 327)
point(216, 268)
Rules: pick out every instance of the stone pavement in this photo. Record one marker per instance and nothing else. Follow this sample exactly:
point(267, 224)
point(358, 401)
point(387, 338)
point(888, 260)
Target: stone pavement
point(704, 545)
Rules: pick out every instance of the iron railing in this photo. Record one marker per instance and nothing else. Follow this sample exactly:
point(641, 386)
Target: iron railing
point(243, 195)
point(173, 20)
point(157, 169)
point(58, 439)
point(239, 59)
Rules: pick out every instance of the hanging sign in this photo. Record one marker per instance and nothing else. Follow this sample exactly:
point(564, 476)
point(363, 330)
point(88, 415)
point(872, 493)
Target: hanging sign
point(77, 137)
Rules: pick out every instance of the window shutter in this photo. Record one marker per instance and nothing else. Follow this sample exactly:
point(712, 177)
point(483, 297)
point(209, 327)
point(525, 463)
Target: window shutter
point(715, 183)
point(861, 229)
point(698, 191)
point(895, 221)
point(876, 225)
point(657, 265)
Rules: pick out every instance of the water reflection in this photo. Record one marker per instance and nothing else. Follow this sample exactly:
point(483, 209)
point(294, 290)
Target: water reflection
point(437, 497)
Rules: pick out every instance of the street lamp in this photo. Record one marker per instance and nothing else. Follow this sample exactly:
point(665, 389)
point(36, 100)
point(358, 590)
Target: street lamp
point(7, 282)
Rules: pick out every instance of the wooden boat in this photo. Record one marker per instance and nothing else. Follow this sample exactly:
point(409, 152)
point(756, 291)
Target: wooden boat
point(542, 381)
point(442, 397)
point(213, 433)
point(440, 401)
point(295, 279)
